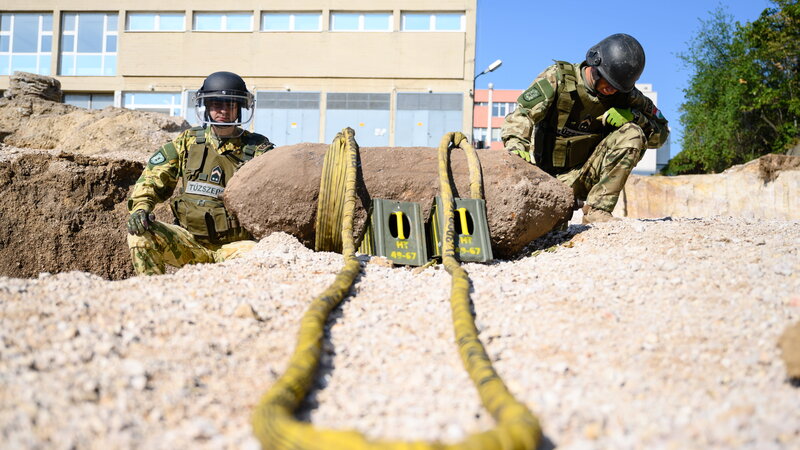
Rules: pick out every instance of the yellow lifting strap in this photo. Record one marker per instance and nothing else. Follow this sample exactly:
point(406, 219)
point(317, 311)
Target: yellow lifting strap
point(273, 419)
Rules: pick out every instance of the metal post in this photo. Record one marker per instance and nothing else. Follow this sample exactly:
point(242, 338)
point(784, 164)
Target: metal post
point(489, 123)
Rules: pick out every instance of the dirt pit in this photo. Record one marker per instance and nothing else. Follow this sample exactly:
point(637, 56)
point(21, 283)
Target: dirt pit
point(61, 212)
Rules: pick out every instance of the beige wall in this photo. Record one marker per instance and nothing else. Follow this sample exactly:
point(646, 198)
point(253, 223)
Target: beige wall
point(300, 61)
point(336, 55)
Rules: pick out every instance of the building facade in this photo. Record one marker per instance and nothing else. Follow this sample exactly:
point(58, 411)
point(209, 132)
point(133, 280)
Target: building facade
point(399, 72)
point(502, 102)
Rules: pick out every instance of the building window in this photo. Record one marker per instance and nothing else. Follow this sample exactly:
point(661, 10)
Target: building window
point(291, 22)
point(223, 22)
point(478, 134)
point(89, 101)
point(423, 118)
point(288, 117)
point(88, 44)
point(432, 22)
point(189, 111)
point(155, 22)
point(430, 102)
point(361, 22)
point(288, 100)
point(161, 102)
point(25, 43)
point(502, 109)
point(358, 101)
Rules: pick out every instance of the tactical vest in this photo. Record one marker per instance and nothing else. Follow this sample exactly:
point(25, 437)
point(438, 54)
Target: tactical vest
point(568, 134)
point(199, 207)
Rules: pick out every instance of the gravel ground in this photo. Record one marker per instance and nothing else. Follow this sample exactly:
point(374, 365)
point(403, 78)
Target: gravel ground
point(637, 334)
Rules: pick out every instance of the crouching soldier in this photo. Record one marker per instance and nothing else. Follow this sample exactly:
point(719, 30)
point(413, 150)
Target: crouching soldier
point(587, 124)
point(203, 159)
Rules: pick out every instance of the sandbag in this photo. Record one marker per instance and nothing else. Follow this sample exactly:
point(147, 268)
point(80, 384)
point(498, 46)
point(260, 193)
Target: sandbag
point(278, 191)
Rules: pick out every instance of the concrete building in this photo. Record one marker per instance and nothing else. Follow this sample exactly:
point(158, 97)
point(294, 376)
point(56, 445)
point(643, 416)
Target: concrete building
point(397, 71)
point(504, 101)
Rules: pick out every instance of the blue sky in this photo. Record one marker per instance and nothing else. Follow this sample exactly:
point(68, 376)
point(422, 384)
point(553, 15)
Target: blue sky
point(528, 34)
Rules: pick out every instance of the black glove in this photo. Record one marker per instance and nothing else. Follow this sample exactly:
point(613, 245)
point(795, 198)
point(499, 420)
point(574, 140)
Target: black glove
point(140, 221)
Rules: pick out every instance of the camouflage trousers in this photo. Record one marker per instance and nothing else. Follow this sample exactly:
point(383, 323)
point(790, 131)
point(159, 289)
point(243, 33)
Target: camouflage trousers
point(170, 244)
point(601, 178)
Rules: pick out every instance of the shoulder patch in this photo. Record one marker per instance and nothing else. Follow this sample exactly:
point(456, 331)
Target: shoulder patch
point(537, 93)
point(157, 158)
point(532, 96)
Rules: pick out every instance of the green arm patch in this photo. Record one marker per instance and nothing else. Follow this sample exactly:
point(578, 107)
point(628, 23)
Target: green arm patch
point(537, 93)
point(162, 155)
point(157, 159)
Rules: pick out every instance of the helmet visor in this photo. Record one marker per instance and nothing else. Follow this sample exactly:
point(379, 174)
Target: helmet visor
point(224, 108)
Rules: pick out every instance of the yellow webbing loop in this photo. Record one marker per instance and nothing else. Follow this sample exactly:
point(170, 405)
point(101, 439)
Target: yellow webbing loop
point(273, 421)
point(517, 427)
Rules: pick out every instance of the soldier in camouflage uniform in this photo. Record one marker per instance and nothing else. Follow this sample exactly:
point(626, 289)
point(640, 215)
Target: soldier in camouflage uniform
point(587, 125)
point(202, 159)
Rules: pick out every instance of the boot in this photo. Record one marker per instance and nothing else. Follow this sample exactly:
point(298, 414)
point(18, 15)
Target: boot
point(594, 215)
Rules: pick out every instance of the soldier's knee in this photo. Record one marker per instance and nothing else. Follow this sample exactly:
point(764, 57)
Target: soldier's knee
point(631, 135)
point(145, 241)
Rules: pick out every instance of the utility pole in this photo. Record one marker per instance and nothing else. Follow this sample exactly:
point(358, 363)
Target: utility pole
point(492, 67)
point(489, 119)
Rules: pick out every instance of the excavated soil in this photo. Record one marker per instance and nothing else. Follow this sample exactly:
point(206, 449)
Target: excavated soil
point(769, 166)
point(65, 176)
point(29, 122)
point(63, 211)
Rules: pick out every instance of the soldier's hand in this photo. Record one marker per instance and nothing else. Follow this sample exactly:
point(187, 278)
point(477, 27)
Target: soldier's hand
point(522, 153)
point(140, 221)
point(617, 117)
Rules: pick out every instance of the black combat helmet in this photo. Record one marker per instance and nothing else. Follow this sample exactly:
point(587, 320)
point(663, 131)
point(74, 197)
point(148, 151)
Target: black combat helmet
point(226, 84)
point(620, 60)
point(225, 87)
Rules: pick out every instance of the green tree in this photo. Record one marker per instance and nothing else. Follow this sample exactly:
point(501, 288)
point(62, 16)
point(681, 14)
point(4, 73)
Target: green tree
point(743, 100)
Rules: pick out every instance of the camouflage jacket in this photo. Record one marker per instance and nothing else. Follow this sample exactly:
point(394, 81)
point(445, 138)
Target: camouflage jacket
point(536, 103)
point(167, 165)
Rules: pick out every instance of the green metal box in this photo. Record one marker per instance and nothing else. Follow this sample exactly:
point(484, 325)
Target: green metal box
point(395, 230)
point(471, 230)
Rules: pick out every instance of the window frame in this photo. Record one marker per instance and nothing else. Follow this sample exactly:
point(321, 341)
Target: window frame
point(176, 105)
point(361, 21)
point(479, 134)
point(156, 22)
point(44, 59)
point(508, 107)
point(92, 98)
point(223, 22)
point(292, 21)
point(432, 21)
point(104, 54)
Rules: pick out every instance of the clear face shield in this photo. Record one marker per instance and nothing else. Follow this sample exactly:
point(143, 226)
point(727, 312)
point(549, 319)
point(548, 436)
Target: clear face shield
point(224, 108)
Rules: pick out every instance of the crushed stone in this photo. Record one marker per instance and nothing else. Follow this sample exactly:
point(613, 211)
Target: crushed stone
point(638, 334)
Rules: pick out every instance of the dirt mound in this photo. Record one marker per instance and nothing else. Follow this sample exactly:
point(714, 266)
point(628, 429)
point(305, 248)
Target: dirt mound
point(278, 191)
point(769, 166)
point(61, 212)
point(32, 116)
point(64, 209)
point(119, 133)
